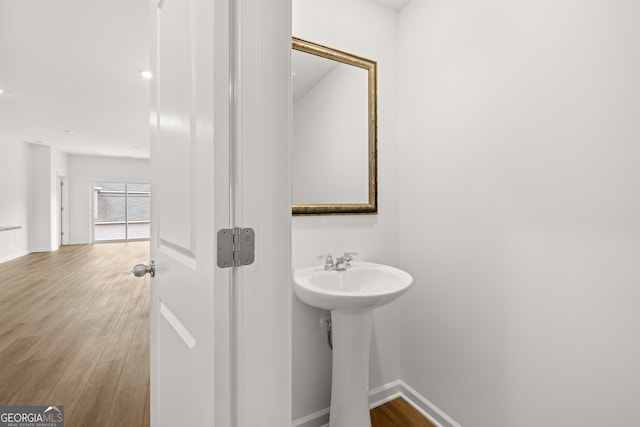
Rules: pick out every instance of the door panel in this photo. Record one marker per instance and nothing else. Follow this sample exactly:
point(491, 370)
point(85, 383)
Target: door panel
point(186, 180)
point(175, 381)
point(176, 134)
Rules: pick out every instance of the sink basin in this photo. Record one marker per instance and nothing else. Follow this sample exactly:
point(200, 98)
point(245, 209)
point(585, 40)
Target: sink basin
point(364, 286)
point(351, 295)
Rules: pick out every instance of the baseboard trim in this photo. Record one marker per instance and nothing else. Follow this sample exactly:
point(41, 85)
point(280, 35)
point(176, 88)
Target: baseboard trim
point(317, 419)
point(13, 256)
point(386, 393)
point(40, 250)
point(381, 395)
point(78, 242)
point(426, 408)
point(23, 253)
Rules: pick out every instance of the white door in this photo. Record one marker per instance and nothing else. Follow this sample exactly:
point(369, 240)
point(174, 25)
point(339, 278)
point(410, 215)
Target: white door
point(189, 170)
point(220, 338)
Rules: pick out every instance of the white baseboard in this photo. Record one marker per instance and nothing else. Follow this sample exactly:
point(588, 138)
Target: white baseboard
point(23, 253)
point(381, 395)
point(317, 419)
point(78, 242)
point(38, 250)
point(426, 408)
point(13, 256)
point(385, 393)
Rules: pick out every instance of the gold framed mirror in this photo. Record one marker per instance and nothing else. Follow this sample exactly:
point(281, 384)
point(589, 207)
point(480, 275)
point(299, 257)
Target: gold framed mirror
point(334, 153)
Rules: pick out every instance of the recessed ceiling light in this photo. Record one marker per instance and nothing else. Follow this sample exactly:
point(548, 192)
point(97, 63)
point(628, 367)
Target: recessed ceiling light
point(146, 74)
point(1, 91)
point(68, 131)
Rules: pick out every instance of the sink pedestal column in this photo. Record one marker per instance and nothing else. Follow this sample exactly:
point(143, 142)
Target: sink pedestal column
point(351, 334)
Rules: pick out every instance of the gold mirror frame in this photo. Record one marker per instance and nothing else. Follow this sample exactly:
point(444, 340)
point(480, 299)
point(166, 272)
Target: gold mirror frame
point(372, 206)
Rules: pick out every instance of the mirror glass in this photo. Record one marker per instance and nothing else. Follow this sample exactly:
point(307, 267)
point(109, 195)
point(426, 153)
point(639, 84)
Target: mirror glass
point(334, 131)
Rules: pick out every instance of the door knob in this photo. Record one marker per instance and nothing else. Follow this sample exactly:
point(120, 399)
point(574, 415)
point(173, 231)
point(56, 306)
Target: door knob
point(139, 270)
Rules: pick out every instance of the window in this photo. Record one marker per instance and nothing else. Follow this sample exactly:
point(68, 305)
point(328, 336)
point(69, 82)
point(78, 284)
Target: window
point(122, 211)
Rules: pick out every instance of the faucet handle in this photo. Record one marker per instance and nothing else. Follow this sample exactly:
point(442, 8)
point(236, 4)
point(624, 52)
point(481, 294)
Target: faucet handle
point(349, 255)
point(328, 263)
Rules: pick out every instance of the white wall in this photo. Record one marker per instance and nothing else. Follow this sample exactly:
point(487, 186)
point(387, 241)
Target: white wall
point(83, 172)
point(45, 165)
point(369, 30)
point(519, 210)
point(14, 198)
point(29, 198)
point(40, 199)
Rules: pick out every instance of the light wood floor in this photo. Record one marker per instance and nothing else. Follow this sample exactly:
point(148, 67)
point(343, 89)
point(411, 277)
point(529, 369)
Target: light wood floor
point(398, 413)
point(74, 331)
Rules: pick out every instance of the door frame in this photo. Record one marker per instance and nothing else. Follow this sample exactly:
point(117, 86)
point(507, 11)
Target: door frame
point(253, 304)
point(62, 210)
point(260, 39)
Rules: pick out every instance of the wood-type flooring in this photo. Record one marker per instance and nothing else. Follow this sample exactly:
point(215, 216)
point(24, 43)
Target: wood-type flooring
point(74, 331)
point(398, 413)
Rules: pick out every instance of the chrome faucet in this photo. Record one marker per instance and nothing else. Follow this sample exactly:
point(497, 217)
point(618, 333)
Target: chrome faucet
point(344, 262)
point(341, 264)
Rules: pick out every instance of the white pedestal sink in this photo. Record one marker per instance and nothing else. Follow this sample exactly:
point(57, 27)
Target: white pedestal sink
point(351, 295)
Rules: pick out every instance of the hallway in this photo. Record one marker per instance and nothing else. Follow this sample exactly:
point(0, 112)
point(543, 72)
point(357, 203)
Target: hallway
point(74, 331)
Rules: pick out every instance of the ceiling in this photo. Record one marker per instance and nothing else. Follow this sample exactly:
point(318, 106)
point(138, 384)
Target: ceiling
point(70, 74)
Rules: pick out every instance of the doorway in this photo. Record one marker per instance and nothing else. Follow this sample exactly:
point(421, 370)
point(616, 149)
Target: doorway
point(62, 199)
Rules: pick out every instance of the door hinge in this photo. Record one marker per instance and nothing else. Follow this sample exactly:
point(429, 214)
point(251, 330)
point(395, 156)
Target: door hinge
point(236, 247)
